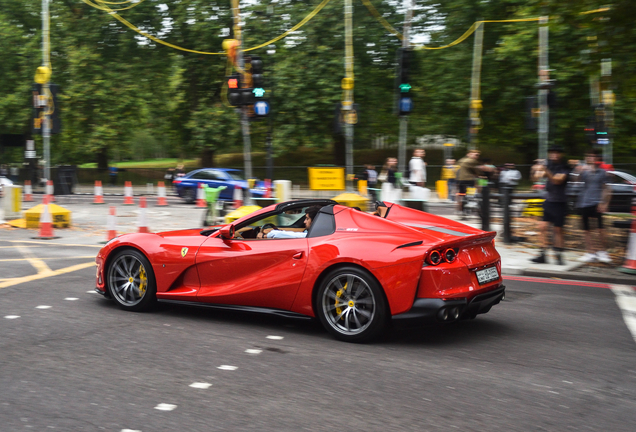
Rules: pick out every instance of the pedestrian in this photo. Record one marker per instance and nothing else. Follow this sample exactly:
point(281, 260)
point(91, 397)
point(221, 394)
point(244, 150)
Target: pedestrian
point(4, 172)
point(417, 168)
point(555, 205)
point(389, 180)
point(537, 174)
point(469, 170)
point(592, 202)
point(112, 172)
point(509, 176)
point(449, 173)
point(371, 176)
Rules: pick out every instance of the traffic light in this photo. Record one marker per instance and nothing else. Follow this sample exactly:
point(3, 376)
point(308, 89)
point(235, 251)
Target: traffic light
point(590, 130)
point(234, 89)
point(257, 92)
point(404, 99)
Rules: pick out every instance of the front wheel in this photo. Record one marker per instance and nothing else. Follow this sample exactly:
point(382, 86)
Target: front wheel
point(189, 195)
point(350, 305)
point(131, 281)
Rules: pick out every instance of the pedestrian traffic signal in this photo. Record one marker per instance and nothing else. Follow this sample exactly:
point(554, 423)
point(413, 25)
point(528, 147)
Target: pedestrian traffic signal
point(234, 89)
point(404, 100)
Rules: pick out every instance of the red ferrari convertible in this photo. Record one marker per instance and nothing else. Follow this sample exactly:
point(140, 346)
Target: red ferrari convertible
point(352, 270)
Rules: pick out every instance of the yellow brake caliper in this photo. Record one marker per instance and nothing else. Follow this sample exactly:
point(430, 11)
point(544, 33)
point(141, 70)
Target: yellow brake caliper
point(143, 280)
point(338, 295)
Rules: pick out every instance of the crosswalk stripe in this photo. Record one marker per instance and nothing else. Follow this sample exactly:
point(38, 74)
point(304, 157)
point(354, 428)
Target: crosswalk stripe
point(626, 301)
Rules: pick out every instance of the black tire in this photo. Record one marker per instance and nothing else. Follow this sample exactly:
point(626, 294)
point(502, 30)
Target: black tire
point(361, 314)
point(131, 281)
point(189, 195)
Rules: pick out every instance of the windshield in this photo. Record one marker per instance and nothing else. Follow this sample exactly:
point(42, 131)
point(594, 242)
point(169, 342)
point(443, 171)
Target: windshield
point(235, 175)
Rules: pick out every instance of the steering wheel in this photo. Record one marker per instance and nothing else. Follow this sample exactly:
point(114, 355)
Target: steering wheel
point(269, 225)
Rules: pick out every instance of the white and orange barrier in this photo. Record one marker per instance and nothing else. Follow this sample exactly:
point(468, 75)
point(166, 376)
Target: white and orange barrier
point(28, 191)
point(128, 194)
point(238, 196)
point(201, 197)
point(99, 193)
point(46, 222)
point(49, 191)
point(161, 194)
point(111, 224)
point(142, 223)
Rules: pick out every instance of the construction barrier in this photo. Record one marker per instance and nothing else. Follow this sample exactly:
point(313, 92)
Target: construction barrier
point(201, 197)
point(28, 191)
point(141, 222)
point(12, 202)
point(161, 194)
point(46, 222)
point(99, 193)
point(111, 224)
point(238, 197)
point(128, 194)
point(49, 191)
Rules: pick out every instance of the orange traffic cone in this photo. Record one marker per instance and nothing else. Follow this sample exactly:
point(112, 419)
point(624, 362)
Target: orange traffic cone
point(201, 196)
point(238, 196)
point(128, 194)
point(28, 192)
point(99, 193)
point(111, 224)
point(49, 190)
point(161, 194)
point(141, 222)
point(46, 222)
point(629, 266)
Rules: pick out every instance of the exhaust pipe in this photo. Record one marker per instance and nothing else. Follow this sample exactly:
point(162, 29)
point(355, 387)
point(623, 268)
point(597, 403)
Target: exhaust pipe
point(442, 315)
point(454, 313)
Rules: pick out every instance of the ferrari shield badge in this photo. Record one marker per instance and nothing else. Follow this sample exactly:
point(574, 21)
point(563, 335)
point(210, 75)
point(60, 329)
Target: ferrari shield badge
point(184, 251)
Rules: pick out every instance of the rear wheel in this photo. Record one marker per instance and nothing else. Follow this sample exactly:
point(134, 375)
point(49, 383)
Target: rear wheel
point(131, 281)
point(189, 195)
point(350, 305)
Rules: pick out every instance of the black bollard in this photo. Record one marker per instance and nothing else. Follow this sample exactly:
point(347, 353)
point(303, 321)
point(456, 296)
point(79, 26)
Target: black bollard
point(506, 214)
point(485, 207)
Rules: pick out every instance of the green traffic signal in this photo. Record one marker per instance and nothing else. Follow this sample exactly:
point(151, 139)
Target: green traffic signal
point(404, 88)
point(258, 92)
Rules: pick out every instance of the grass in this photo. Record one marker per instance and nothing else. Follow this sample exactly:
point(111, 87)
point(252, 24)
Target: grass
point(150, 163)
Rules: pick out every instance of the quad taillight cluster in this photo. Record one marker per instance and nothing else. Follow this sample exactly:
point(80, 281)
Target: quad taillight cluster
point(437, 257)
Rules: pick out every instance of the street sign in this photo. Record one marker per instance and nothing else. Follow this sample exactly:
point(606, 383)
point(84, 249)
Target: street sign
point(261, 108)
point(406, 105)
point(351, 117)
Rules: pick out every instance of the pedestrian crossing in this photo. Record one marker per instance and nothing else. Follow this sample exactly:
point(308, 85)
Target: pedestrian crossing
point(626, 301)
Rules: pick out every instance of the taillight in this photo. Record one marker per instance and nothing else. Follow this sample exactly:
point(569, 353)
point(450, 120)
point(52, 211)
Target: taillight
point(450, 255)
point(434, 258)
point(176, 181)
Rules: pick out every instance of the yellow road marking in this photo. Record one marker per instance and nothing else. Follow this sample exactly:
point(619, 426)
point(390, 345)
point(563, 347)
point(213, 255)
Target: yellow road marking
point(37, 263)
point(49, 258)
point(20, 280)
point(53, 244)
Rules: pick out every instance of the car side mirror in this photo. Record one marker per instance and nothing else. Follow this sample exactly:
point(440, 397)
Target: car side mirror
point(227, 232)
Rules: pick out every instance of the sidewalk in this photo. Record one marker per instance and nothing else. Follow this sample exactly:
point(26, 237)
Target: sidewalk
point(89, 225)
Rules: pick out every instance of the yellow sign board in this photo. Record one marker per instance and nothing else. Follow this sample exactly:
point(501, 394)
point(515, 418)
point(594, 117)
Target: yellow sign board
point(326, 178)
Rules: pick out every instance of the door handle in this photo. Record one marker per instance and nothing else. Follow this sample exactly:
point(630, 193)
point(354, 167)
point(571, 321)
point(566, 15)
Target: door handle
point(299, 255)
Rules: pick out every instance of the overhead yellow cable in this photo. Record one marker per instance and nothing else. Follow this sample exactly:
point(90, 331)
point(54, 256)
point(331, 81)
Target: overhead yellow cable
point(605, 9)
point(115, 3)
point(380, 18)
point(471, 30)
point(294, 28)
point(101, 5)
point(149, 36)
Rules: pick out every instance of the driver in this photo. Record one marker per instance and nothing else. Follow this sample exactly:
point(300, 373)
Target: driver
point(310, 215)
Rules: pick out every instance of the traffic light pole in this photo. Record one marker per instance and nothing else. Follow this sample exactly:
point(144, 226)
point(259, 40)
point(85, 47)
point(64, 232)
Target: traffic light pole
point(46, 126)
point(245, 124)
point(475, 89)
point(544, 113)
point(404, 119)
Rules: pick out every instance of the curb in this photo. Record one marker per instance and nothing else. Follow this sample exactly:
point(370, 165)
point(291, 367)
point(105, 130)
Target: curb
point(573, 275)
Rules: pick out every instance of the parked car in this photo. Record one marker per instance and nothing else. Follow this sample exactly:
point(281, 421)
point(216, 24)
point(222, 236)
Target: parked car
point(187, 185)
point(353, 271)
point(4, 182)
point(622, 185)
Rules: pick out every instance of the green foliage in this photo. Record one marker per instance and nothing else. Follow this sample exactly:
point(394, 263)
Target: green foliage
point(124, 97)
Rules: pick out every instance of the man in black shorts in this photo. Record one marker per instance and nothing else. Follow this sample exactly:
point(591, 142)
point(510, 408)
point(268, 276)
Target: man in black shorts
point(555, 207)
point(592, 202)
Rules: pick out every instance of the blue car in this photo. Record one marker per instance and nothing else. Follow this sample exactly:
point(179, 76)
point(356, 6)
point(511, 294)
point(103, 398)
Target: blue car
point(187, 185)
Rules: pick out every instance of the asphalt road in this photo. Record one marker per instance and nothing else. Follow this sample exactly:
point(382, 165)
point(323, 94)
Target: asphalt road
point(552, 356)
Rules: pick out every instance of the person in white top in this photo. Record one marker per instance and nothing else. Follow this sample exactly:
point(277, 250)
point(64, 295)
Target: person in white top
point(310, 215)
point(417, 168)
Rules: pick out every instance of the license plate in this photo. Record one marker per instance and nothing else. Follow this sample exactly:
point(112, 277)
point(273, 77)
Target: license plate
point(487, 275)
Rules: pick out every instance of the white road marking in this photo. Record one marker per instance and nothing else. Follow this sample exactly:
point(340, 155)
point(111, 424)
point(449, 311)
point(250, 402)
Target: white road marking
point(165, 407)
point(12, 316)
point(130, 430)
point(200, 385)
point(275, 337)
point(253, 351)
point(227, 367)
point(71, 298)
point(626, 300)
point(43, 307)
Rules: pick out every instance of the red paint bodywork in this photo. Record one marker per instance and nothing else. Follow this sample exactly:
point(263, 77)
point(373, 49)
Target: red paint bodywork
point(283, 274)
